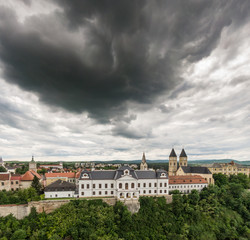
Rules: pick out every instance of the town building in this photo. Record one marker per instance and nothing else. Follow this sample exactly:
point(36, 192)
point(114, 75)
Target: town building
point(187, 183)
point(123, 183)
point(1, 162)
point(230, 168)
point(60, 189)
point(15, 181)
point(201, 171)
point(4, 181)
point(65, 176)
point(52, 167)
point(27, 178)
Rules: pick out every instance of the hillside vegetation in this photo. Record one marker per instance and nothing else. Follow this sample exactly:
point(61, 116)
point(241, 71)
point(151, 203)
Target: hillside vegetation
point(218, 212)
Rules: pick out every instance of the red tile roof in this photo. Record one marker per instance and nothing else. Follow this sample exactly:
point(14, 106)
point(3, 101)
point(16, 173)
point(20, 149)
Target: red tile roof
point(4, 176)
point(53, 175)
point(186, 179)
point(29, 176)
point(15, 177)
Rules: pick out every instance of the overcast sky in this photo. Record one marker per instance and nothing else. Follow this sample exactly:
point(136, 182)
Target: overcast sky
point(103, 80)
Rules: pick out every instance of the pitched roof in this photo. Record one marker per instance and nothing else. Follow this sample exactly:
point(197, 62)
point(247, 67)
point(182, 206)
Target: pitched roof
point(65, 174)
point(60, 185)
point(116, 174)
point(173, 154)
point(201, 170)
point(186, 179)
point(183, 153)
point(29, 176)
point(4, 176)
point(16, 177)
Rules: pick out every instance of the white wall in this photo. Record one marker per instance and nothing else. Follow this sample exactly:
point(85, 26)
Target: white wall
point(59, 194)
point(187, 188)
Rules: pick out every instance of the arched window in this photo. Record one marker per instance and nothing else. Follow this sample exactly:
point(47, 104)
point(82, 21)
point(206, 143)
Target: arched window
point(120, 185)
point(126, 186)
point(132, 185)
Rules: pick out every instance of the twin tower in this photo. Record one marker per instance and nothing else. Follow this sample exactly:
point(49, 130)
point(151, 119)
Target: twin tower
point(173, 166)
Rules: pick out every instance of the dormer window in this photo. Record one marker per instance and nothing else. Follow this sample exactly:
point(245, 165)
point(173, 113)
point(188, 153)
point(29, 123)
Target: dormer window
point(126, 172)
point(85, 175)
point(163, 175)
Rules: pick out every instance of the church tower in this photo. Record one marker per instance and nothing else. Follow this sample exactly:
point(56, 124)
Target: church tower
point(32, 165)
point(144, 165)
point(172, 167)
point(183, 158)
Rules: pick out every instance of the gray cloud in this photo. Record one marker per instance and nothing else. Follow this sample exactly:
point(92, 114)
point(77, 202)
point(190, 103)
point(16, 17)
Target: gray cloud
point(97, 56)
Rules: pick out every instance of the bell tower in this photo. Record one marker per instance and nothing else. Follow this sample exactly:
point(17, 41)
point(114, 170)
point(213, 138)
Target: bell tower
point(183, 158)
point(32, 165)
point(172, 167)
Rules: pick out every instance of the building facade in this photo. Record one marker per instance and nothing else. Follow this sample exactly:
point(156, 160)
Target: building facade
point(185, 184)
point(231, 168)
point(124, 183)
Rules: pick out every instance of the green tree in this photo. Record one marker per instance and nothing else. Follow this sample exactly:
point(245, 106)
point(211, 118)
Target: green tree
point(36, 184)
point(2, 169)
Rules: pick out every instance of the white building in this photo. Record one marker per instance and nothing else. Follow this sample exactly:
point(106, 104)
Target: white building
point(124, 183)
point(186, 183)
point(60, 189)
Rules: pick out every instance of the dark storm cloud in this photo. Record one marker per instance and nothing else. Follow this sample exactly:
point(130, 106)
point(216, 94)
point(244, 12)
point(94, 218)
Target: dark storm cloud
point(120, 51)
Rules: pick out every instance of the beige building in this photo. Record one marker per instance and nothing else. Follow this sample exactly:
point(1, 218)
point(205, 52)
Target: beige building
point(67, 177)
point(143, 165)
point(231, 168)
point(201, 171)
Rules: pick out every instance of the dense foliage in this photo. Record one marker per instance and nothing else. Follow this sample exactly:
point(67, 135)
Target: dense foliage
point(19, 196)
point(2, 169)
point(218, 212)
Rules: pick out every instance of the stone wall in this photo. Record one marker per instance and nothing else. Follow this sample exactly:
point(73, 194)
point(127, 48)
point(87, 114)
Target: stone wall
point(18, 211)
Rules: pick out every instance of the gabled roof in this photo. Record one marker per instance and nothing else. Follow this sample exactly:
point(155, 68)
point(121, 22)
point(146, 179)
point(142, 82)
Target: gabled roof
point(29, 176)
point(186, 179)
point(183, 153)
point(201, 170)
point(16, 177)
point(65, 174)
point(60, 185)
point(4, 176)
point(173, 154)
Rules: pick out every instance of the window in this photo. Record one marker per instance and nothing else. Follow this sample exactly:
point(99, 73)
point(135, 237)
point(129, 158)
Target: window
point(149, 191)
point(165, 191)
point(149, 184)
point(112, 185)
point(155, 184)
point(165, 184)
point(100, 185)
point(16, 182)
point(87, 185)
point(93, 185)
point(126, 172)
point(160, 184)
point(11, 182)
point(132, 185)
point(160, 191)
point(106, 192)
point(82, 193)
point(126, 186)
point(82, 186)
point(106, 185)
point(144, 184)
point(94, 193)
point(139, 184)
point(68, 195)
point(120, 185)
point(100, 193)
point(112, 192)
point(144, 191)
point(155, 191)
point(56, 195)
point(2, 183)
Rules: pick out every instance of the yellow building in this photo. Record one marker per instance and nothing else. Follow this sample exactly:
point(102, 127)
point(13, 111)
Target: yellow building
point(231, 168)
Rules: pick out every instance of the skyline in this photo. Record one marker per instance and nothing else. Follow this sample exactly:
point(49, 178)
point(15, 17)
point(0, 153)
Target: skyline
point(105, 80)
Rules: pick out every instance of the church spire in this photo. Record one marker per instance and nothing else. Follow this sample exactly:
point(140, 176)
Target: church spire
point(143, 165)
